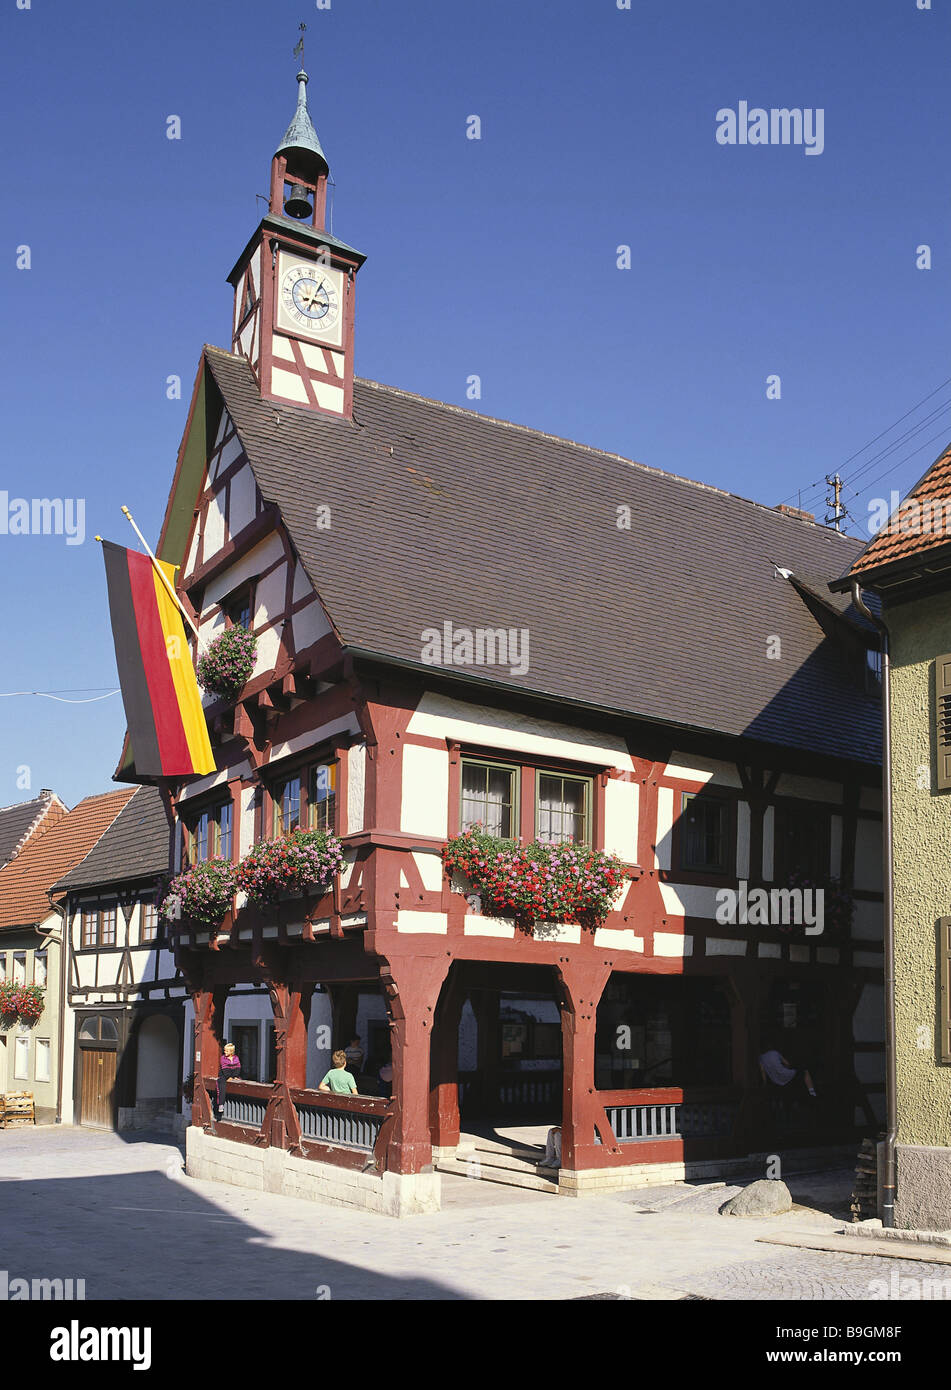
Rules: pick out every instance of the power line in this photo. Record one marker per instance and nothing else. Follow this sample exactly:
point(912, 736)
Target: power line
point(902, 439)
point(892, 467)
point(53, 695)
point(820, 483)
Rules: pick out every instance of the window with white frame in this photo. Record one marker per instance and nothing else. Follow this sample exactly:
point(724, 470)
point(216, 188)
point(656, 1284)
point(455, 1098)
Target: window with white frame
point(148, 922)
point(19, 967)
point(107, 926)
point(39, 968)
point(21, 1059)
point(41, 1064)
point(90, 927)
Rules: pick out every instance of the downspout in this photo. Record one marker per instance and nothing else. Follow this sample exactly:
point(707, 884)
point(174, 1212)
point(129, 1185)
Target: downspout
point(891, 1074)
point(62, 1005)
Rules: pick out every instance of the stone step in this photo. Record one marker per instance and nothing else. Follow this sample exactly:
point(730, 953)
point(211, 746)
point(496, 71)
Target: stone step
point(512, 1177)
point(494, 1158)
point(489, 1150)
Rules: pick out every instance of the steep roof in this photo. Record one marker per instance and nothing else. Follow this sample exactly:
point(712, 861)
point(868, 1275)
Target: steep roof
point(443, 515)
point(27, 818)
point(24, 883)
point(913, 531)
point(134, 846)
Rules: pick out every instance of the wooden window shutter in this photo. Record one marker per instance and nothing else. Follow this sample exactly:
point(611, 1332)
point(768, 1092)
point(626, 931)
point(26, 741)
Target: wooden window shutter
point(942, 720)
point(944, 989)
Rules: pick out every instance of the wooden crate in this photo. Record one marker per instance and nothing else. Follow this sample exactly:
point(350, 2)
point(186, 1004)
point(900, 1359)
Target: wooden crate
point(18, 1109)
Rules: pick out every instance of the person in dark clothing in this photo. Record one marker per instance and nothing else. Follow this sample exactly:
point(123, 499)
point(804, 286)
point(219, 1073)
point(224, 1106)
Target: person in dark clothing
point(229, 1070)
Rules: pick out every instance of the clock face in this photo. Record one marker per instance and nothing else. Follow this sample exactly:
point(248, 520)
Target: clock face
point(310, 299)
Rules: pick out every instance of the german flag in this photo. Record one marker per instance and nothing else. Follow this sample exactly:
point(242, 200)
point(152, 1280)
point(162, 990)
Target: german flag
point(167, 726)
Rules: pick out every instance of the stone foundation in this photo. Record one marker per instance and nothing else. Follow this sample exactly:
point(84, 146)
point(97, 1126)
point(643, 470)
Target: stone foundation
point(274, 1170)
point(923, 1183)
point(594, 1181)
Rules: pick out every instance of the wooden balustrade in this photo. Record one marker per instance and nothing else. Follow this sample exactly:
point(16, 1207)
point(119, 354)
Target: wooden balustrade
point(672, 1115)
point(349, 1131)
point(352, 1131)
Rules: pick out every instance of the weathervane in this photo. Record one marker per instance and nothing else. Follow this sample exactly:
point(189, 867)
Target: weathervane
point(299, 50)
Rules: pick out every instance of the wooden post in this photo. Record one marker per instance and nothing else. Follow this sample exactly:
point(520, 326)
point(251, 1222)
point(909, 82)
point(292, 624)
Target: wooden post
point(582, 986)
point(411, 986)
point(444, 1093)
point(299, 997)
point(290, 1003)
point(209, 1008)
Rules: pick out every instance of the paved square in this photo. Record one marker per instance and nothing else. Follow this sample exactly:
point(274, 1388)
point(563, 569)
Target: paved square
point(119, 1212)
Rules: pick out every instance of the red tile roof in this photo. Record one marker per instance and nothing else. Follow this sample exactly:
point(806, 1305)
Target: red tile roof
point(47, 857)
point(914, 530)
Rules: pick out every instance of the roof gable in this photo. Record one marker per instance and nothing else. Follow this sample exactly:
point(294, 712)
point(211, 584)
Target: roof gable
point(19, 823)
point(919, 526)
point(134, 846)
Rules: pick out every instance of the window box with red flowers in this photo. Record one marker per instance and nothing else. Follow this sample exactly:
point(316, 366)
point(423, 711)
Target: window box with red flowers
point(202, 894)
point(536, 883)
point(299, 862)
point(25, 1002)
point(225, 667)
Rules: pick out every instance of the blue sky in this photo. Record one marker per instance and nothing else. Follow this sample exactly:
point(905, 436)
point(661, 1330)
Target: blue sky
point(494, 257)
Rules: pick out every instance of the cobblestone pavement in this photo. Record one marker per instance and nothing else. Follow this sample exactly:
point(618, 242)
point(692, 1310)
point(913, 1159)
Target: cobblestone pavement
point(119, 1212)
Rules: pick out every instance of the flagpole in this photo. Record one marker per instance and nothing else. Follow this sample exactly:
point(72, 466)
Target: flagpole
point(161, 573)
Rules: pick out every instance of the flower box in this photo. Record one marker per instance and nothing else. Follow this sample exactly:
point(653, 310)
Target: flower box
point(201, 894)
point(25, 1002)
point(301, 862)
point(535, 883)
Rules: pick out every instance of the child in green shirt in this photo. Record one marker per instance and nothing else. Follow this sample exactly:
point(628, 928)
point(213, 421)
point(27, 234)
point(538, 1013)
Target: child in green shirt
point(338, 1081)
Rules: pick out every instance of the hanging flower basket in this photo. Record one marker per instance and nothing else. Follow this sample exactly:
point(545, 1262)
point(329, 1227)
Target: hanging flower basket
point(299, 860)
point(25, 1002)
point(225, 667)
point(537, 882)
point(202, 893)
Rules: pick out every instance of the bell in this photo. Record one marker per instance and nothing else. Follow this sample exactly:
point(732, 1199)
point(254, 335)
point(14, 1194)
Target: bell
point(298, 204)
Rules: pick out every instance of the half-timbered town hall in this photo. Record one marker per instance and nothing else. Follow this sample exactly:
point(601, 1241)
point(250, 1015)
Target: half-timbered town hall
point(460, 621)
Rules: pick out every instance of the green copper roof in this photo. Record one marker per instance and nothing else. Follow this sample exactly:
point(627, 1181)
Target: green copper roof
point(301, 135)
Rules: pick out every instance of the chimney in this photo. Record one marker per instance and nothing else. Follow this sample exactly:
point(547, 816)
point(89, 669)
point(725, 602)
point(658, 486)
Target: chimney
point(796, 512)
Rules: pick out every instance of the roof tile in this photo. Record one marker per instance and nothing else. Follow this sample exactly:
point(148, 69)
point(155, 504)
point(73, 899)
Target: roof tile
point(440, 514)
point(24, 883)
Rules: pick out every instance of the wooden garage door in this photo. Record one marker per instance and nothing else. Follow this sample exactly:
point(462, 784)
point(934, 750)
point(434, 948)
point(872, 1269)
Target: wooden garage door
point(98, 1084)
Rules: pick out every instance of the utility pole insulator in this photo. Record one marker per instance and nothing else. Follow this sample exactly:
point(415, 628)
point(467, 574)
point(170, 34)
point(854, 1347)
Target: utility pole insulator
point(835, 502)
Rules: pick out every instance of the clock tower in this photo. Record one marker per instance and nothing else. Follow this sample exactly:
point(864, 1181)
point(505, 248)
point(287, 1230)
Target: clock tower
point(294, 283)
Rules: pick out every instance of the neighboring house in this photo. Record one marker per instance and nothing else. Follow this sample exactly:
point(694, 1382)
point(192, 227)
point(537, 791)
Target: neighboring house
point(124, 1021)
point(19, 823)
point(461, 620)
point(907, 565)
point(31, 942)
